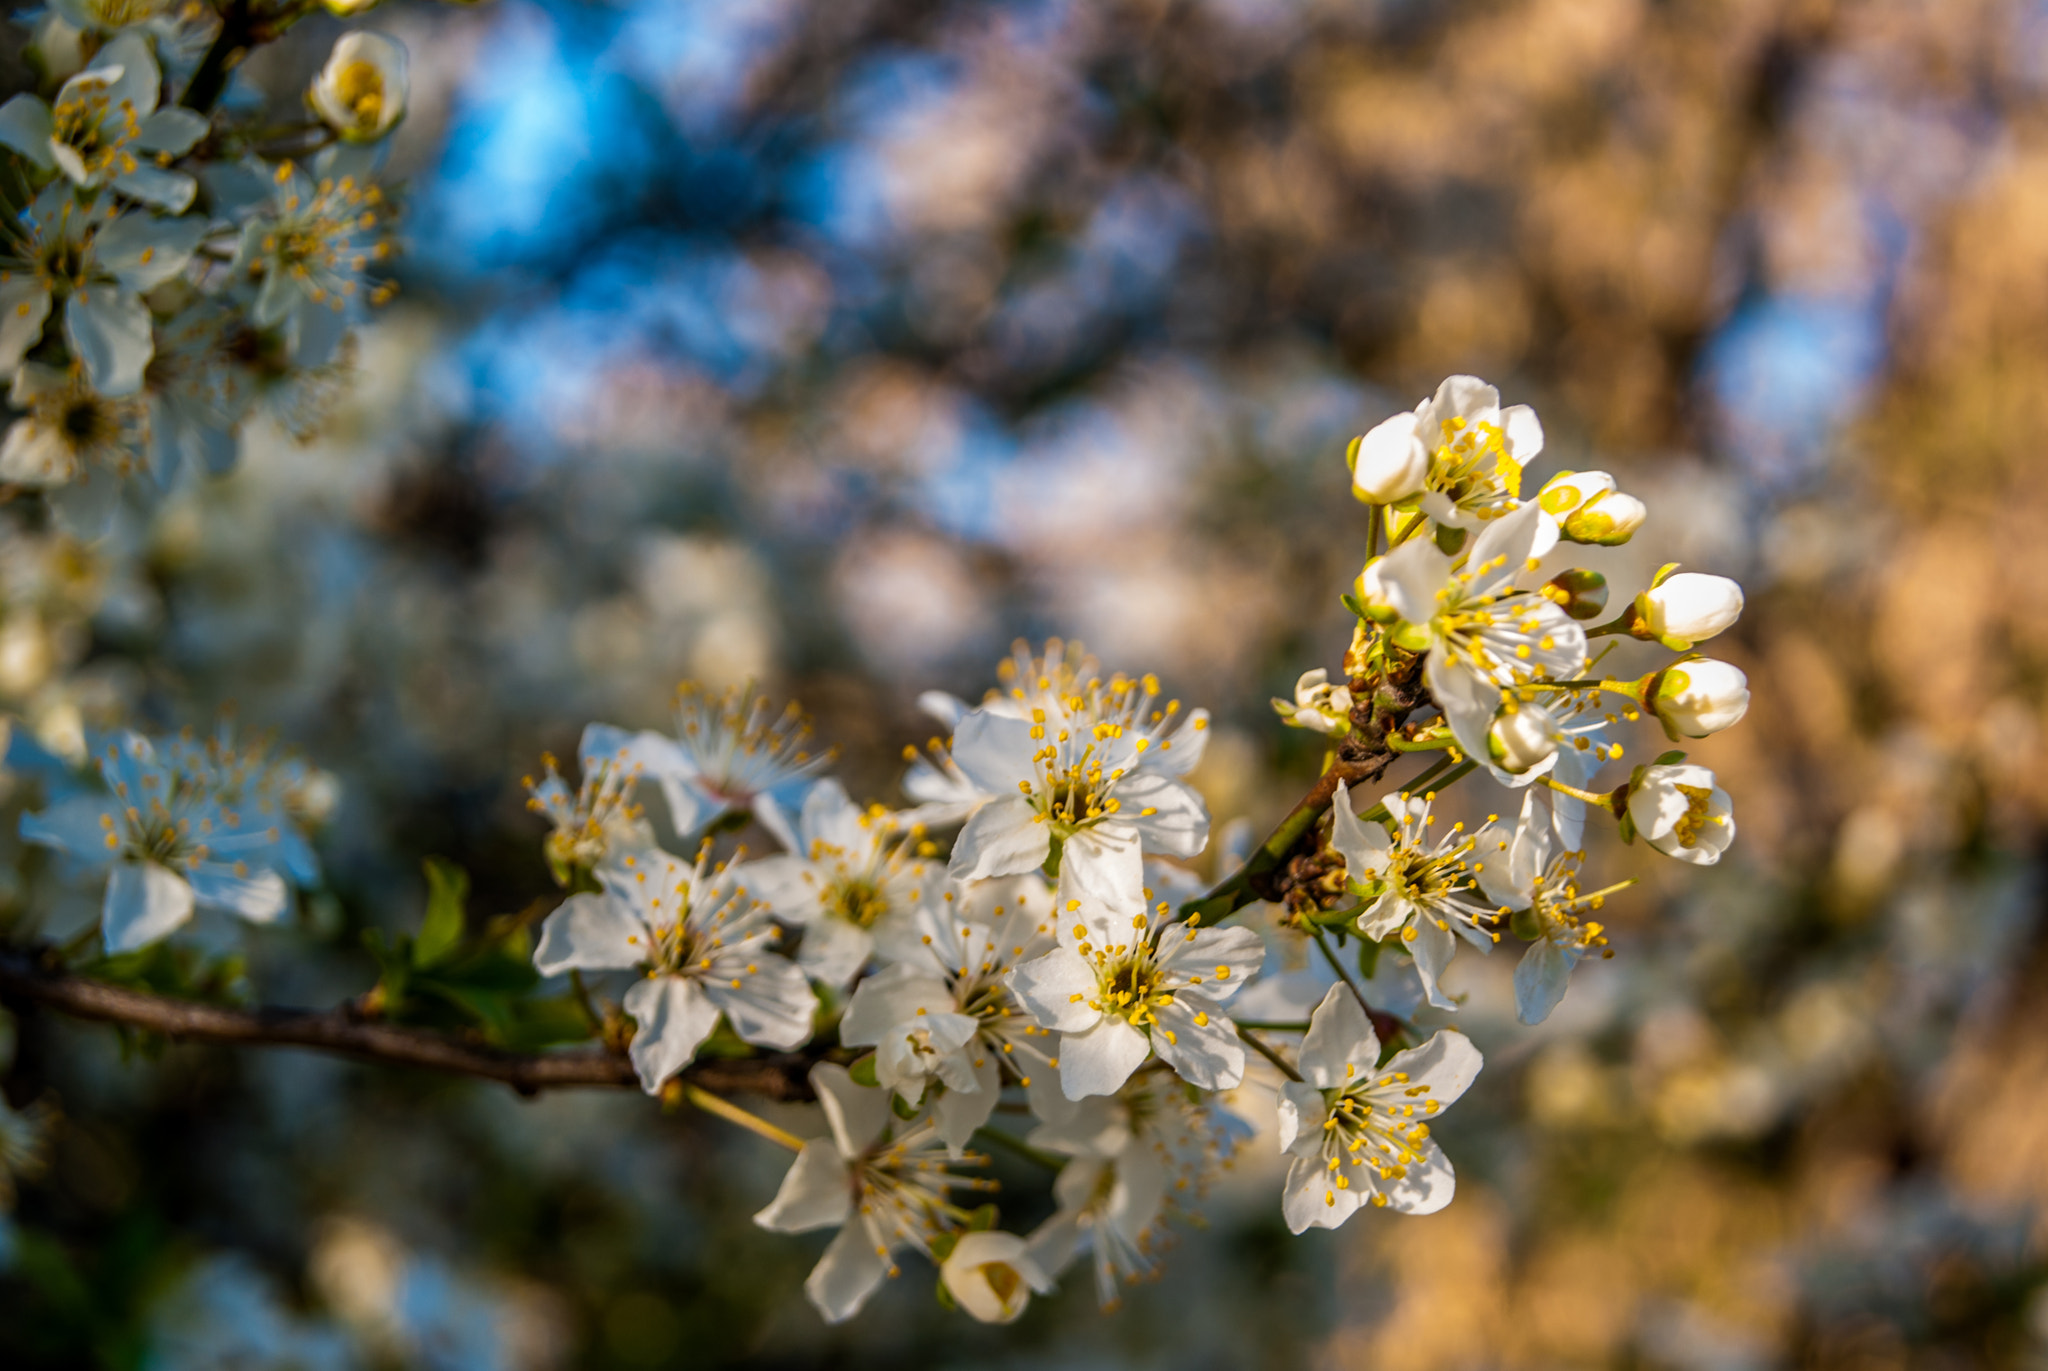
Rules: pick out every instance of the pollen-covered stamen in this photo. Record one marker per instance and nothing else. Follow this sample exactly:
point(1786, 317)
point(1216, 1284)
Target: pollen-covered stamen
point(1378, 1121)
point(1064, 689)
point(324, 237)
point(903, 1189)
point(87, 122)
point(1073, 782)
point(584, 820)
point(1472, 467)
point(739, 745)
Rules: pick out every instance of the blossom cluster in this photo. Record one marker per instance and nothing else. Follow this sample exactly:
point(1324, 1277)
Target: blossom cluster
point(1030, 934)
point(171, 270)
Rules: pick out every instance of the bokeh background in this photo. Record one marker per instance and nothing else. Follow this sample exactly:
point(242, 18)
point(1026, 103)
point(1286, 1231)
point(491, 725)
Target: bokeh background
point(835, 343)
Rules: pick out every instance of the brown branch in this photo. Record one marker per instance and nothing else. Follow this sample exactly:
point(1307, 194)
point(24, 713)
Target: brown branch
point(27, 978)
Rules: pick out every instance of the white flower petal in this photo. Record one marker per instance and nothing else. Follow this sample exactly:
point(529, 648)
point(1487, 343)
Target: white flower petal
point(772, 1005)
point(673, 1016)
point(258, 896)
point(1104, 868)
point(1100, 1060)
point(816, 1192)
point(849, 1272)
point(1428, 1185)
point(24, 306)
point(1447, 1064)
point(1300, 1116)
point(1205, 1051)
point(26, 126)
point(891, 996)
point(1219, 960)
point(109, 330)
point(1055, 989)
point(857, 1113)
point(145, 903)
point(1433, 949)
point(833, 950)
point(1167, 813)
point(1311, 1197)
point(592, 933)
point(994, 752)
point(1002, 838)
point(1340, 1045)
point(73, 825)
point(144, 251)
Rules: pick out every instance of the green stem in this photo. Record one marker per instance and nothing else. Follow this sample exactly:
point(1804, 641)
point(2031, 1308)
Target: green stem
point(1400, 744)
point(1264, 1027)
point(1337, 965)
point(1286, 1068)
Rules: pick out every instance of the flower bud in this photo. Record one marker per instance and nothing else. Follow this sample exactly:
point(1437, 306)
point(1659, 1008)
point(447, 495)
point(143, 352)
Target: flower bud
point(1682, 813)
point(1522, 738)
point(990, 1275)
point(1582, 593)
point(1372, 594)
point(1318, 706)
point(1572, 490)
point(360, 93)
point(1608, 520)
point(1698, 697)
point(1687, 608)
point(1389, 464)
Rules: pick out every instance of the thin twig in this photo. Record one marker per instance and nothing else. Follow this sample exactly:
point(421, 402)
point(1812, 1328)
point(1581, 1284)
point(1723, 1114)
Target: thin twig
point(1017, 1147)
point(1337, 965)
point(1270, 1054)
point(26, 979)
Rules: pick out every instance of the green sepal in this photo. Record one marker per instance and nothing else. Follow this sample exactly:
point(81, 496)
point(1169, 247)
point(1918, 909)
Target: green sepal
point(1409, 637)
point(946, 1300)
point(1627, 828)
point(863, 1072)
point(441, 929)
point(1522, 923)
point(1663, 574)
point(1449, 538)
point(1672, 758)
point(904, 1110)
point(1351, 453)
point(1354, 604)
point(984, 1219)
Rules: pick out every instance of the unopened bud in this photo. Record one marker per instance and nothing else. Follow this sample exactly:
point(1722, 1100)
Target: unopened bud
point(1389, 464)
point(1523, 736)
point(1698, 697)
point(1608, 520)
point(361, 92)
point(1372, 594)
point(1572, 490)
point(1687, 608)
point(1582, 593)
point(1318, 706)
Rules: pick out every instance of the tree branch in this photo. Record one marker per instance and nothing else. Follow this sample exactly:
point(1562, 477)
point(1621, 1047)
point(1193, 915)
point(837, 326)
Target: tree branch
point(25, 978)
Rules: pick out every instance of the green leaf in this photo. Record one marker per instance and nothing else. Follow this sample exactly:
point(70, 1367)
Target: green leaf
point(863, 1072)
point(441, 930)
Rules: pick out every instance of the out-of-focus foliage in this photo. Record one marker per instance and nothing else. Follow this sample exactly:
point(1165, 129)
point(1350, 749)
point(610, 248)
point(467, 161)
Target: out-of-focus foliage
point(835, 344)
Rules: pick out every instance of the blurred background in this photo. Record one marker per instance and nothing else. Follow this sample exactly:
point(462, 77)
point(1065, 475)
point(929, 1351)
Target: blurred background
point(836, 343)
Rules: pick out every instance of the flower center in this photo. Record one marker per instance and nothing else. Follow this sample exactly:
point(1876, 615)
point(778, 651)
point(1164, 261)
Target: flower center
point(857, 900)
point(1688, 828)
point(361, 88)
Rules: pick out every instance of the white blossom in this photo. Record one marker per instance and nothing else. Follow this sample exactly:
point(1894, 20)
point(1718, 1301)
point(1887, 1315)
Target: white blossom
point(1477, 453)
point(598, 819)
point(1516, 870)
point(1481, 634)
point(168, 845)
point(1682, 812)
point(1390, 463)
point(944, 1011)
point(1119, 988)
point(702, 946)
point(361, 92)
point(992, 1276)
point(1698, 697)
point(852, 875)
point(1419, 889)
point(883, 1183)
point(731, 754)
point(1687, 608)
point(105, 127)
point(1357, 1131)
point(1318, 706)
